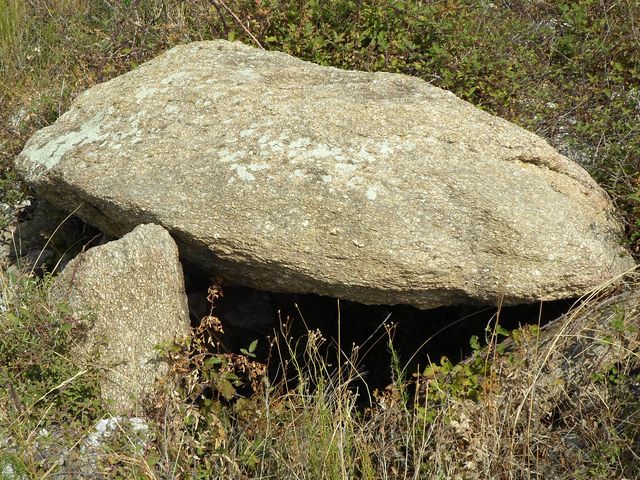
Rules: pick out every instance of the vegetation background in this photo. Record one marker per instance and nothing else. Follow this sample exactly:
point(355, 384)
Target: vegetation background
point(568, 70)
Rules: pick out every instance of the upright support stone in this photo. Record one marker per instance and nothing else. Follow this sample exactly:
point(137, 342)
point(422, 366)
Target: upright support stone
point(132, 290)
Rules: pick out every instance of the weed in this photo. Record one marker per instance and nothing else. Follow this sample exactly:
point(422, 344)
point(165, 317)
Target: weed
point(43, 388)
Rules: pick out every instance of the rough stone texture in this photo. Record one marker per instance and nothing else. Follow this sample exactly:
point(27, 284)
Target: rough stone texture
point(133, 290)
point(288, 176)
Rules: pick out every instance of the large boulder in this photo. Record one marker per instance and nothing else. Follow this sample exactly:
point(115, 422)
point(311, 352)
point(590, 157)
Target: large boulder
point(132, 292)
point(288, 176)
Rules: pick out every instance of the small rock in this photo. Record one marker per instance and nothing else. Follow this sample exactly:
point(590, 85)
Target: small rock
point(133, 291)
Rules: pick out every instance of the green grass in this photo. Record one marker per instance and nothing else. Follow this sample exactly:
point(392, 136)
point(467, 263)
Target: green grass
point(43, 386)
point(569, 71)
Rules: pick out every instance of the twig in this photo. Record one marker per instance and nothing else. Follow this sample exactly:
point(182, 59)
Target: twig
point(216, 5)
point(237, 19)
point(52, 235)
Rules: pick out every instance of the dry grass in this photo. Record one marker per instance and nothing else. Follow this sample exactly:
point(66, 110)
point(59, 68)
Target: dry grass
point(558, 402)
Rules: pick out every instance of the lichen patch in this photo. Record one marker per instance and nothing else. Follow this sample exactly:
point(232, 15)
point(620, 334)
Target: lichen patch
point(175, 77)
point(52, 152)
point(243, 172)
point(144, 92)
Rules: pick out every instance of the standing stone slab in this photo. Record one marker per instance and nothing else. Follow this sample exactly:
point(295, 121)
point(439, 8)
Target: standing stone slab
point(133, 290)
point(288, 176)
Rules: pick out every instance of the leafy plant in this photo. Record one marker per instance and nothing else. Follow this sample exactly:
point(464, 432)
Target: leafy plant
point(42, 386)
